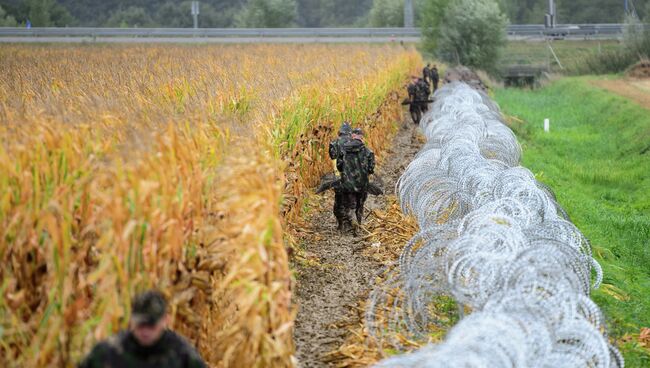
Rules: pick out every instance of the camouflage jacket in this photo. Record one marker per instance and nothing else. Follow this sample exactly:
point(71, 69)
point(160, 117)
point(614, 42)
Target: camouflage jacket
point(413, 91)
point(358, 162)
point(423, 91)
point(123, 351)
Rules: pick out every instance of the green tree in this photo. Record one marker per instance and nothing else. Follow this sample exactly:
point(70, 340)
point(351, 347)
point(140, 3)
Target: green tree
point(635, 36)
point(214, 17)
point(172, 15)
point(132, 16)
point(46, 13)
point(387, 13)
point(39, 12)
point(431, 15)
point(472, 32)
point(267, 14)
point(7, 20)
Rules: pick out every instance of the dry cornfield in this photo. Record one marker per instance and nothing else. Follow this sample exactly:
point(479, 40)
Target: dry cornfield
point(180, 167)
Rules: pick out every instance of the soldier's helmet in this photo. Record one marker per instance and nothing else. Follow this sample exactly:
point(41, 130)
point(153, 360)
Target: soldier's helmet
point(346, 129)
point(148, 308)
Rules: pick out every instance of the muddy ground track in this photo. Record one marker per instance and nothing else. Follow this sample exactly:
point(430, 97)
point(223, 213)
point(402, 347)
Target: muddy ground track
point(329, 288)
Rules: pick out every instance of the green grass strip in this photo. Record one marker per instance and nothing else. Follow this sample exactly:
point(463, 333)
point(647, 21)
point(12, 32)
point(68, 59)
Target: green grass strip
point(596, 158)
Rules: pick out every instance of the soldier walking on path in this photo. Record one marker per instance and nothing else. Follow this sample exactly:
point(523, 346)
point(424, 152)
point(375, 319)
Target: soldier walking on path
point(434, 75)
point(369, 168)
point(355, 163)
point(414, 107)
point(418, 98)
point(426, 74)
point(423, 93)
point(147, 343)
point(341, 198)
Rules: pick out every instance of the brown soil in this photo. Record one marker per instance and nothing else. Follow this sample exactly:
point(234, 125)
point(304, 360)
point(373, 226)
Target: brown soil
point(334, 273)
point(637, 90)
point(467, 75)
point(640, 70)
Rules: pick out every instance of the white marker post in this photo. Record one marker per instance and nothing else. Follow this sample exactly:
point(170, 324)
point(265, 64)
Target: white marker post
point(547, 125)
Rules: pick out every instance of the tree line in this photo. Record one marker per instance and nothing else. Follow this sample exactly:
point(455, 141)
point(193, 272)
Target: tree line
point(287, 13)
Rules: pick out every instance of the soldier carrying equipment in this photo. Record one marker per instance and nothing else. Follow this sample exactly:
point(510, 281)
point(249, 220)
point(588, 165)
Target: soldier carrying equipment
point(358, 164)
point(419, 93)
point(435, 77)
point(355, 162)
point(426, 74)
point(147, 343)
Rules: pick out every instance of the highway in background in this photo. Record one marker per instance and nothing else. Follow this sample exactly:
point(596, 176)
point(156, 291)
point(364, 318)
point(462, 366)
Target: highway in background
point(287, 35)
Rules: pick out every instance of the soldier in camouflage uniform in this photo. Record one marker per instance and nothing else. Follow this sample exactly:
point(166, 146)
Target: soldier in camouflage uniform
point(357, 162)
point(426, 74)
point(423, 93)
point(147, 343)
point(369, 167)
point(435, 77)
point(419, 93)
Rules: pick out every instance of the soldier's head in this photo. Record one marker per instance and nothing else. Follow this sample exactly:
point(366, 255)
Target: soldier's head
point(148, 317)
point(346, 129)
point(357, 133)
point(414, 78)
point(428, 64)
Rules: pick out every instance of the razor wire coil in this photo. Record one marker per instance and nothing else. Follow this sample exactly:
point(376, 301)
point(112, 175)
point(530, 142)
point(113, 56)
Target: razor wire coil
point(494, 239)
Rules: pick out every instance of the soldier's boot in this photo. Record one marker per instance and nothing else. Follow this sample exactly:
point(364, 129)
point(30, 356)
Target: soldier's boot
point(414, 116)
point(359, 213)
point(355, 228)
point(346, 227)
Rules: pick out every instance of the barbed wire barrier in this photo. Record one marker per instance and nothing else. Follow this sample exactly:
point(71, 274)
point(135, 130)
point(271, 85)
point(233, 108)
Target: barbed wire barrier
point(495, 240)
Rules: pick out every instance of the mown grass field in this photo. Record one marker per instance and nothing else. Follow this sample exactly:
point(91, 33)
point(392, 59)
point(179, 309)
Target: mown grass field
point(597, 160)
point(180, 167)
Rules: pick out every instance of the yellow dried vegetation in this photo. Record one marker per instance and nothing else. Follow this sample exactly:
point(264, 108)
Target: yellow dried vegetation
point(179, 167)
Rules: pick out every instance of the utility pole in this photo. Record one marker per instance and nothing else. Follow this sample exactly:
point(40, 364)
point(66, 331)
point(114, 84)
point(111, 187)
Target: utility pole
point(550, 18)
point(408, 14)
point(195, 13)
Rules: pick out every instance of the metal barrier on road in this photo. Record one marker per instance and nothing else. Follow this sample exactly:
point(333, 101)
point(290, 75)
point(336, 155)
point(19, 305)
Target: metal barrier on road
point(513, 31)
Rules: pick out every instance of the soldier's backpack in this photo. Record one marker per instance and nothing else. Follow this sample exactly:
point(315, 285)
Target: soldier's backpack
point(423, 91)
point(354, 176)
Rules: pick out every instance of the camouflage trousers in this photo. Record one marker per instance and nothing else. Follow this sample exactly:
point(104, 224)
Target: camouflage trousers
point(417, 110)
point(344, 203)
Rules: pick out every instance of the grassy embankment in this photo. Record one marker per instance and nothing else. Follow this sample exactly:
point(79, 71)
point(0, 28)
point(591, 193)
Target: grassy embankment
point(597, 160)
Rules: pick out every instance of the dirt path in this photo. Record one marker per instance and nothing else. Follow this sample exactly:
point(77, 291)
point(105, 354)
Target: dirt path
point(336, 274)
point(637, 90)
